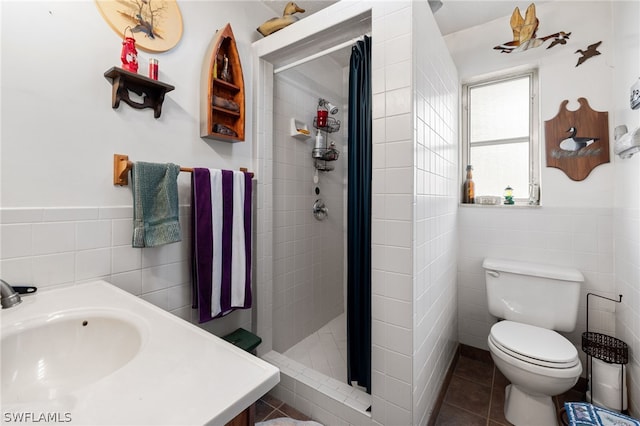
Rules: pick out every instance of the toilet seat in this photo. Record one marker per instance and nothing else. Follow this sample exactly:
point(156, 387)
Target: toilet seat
point(534, 345)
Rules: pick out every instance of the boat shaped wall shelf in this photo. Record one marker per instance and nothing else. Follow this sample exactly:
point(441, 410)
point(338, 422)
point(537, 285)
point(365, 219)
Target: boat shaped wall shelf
point(222, 111)
point(124, 81)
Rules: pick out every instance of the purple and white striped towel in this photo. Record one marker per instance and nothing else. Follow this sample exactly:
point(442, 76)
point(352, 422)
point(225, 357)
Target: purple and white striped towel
point(221, 241)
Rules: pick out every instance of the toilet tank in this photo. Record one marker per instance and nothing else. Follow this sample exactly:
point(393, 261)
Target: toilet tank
point(542, 295)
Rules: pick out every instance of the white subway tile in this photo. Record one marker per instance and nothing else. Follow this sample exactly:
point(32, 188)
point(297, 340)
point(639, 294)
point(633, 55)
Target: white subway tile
point(179, 296)
point(125, 258)
point(53, 269)
point(18, 270)
point(159, 298)
point(398, 49)
point(122, 232)
point(398, 23)
point(398, 75)
point(160, 277)
point(21, 215)
point(116, 212)
point(60, 214)
point(398, 339)
point(398, 207)
point(398, 393)
point(54, 237)
point(398, 233)
point(93, 263)
point(92, 235)
point(399, 154)
point(399, 127)
point(378, 104)
point(398, 259)
point(15, 240)
point(130, 282)
point(399, 286)
point(398, 102)
point(399, 180)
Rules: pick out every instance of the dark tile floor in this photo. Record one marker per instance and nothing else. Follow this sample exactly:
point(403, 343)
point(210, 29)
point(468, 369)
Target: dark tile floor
point(475, 395)
point(268, 408)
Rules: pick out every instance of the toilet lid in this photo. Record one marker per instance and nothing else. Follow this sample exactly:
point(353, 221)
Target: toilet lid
point(534, 344)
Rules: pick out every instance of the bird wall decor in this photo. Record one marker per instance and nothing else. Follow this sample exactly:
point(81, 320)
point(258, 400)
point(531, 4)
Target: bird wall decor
point(573, 143)
point(524, 33)
point(275, 24)
point(592, 50)
point(587, 143)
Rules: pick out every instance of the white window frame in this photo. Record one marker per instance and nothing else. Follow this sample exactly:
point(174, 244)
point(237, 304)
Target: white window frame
point(534, 123)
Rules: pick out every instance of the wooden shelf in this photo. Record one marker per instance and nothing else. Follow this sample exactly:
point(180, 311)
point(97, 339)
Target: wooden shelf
point(226, 111)
point(211, 116)
point(123, 81)
point(227, 85)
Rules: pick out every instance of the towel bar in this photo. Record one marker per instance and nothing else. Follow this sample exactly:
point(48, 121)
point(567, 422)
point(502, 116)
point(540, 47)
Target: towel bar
point(122, 165)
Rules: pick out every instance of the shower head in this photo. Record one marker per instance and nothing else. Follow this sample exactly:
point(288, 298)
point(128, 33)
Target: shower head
point(328, 105)
point(331, 107)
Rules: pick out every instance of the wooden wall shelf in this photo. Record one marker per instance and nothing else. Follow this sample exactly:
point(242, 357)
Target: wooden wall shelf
point(222, 106)
point(152, 90)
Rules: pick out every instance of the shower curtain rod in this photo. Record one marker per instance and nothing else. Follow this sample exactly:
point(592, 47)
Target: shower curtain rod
point(317, 55)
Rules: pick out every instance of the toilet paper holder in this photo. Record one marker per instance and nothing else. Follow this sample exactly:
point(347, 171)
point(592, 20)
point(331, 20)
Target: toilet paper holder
point(605, 348)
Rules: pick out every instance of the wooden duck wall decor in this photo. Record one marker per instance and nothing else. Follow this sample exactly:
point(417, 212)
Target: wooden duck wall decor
point(274, 24)
point(524, 33)
point(592, 50)
point(577, 141)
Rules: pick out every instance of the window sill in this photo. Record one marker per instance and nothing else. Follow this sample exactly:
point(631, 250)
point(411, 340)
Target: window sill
point(500, 206)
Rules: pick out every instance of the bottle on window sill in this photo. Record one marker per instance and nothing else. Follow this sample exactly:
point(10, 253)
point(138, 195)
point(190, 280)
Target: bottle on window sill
point(468, 188)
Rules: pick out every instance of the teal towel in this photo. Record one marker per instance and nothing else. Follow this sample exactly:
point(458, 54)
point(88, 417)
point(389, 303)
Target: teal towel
point(155, 204)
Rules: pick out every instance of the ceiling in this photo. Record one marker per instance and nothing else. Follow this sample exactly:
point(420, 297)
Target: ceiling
point(454, 15)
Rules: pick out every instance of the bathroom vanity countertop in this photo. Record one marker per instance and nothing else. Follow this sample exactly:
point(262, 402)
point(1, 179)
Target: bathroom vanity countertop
point(178, 374)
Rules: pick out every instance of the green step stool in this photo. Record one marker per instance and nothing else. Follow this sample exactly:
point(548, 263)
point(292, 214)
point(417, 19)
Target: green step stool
point(244, 340)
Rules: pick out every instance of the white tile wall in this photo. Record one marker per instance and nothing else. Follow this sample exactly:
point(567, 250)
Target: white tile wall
point(51, 247)
point(626, 223)
point(572, 237)
point(435, 100)
point(308, 255)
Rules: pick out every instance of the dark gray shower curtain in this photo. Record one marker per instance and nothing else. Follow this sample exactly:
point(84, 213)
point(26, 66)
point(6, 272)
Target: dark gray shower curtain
point(359, 217)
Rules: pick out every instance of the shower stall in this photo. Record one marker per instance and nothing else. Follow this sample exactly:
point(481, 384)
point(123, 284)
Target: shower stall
point(308, 262)
point(308, 250)
point(413, 211)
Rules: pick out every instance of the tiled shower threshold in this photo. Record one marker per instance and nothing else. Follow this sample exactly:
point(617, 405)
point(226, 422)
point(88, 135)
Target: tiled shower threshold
point(312, 382)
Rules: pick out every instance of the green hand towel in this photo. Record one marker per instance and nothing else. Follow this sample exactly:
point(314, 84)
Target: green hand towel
point(155, 204)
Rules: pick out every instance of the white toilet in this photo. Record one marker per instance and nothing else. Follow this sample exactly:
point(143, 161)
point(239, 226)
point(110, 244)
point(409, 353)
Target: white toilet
point(533, 300)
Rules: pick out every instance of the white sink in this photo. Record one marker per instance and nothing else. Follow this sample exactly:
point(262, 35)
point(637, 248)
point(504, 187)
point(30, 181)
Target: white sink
point(92, 354)
point(46, 358)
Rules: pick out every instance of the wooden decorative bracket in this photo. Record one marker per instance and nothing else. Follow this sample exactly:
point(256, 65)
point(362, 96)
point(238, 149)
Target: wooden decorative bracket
point(121, 167)
point(124, 81)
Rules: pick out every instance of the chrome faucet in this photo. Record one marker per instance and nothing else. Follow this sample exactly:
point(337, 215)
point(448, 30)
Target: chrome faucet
point(9, 296)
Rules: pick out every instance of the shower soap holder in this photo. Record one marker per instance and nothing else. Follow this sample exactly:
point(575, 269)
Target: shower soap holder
point(299, 129)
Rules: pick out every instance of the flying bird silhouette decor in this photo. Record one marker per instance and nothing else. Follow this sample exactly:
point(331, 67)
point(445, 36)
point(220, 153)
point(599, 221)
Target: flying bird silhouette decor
point(592, 50)
point(524, 33)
